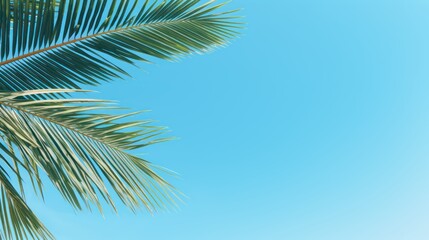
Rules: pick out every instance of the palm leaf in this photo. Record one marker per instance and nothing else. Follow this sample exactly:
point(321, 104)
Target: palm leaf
point(17, 221)
point(80, 150)
point(59, 45)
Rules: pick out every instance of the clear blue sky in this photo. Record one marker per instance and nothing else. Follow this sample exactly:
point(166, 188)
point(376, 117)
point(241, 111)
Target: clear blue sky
point(313, 125)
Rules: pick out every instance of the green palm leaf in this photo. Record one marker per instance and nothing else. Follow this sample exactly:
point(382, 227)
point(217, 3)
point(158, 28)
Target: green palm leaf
point(51, 44)
point(17, 221)
point(78, 148)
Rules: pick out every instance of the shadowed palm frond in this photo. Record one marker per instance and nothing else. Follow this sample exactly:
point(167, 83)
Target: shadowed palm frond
point(66, 43)
point(80, 150)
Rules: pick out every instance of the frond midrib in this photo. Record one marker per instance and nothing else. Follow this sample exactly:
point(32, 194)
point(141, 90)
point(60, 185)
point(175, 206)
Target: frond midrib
point(30, 54)
point(63, 125)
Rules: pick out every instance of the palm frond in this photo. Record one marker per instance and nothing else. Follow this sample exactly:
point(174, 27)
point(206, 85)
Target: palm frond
point(17, 221)
point(80, 150)
point(66, 44)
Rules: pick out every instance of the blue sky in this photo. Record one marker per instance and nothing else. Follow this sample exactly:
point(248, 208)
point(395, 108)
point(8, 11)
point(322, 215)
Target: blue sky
point(313, 125)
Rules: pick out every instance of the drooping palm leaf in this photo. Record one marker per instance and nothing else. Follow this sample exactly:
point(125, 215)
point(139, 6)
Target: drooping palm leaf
point(80, 149)
point(17, 221)
point(62, 46)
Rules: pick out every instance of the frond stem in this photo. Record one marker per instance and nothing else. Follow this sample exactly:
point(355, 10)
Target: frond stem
point(9, 61)
point(61, 124)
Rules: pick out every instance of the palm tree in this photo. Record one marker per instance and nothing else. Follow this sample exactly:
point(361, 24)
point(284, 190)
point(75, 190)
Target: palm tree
point(49, 49)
